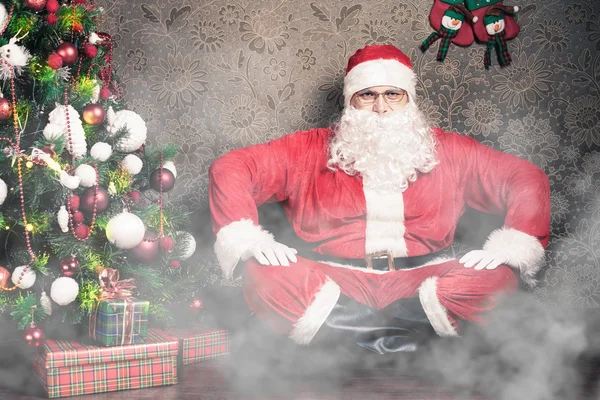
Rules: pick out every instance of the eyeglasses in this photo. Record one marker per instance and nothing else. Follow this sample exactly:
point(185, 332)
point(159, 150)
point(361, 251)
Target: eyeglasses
point(392, 97)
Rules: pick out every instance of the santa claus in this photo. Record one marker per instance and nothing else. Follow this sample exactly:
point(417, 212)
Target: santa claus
point(376, 198)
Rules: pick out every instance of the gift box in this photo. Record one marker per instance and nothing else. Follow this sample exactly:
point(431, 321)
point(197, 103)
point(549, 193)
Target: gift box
point(69, 368)
point(200, 343)
point(116, 322)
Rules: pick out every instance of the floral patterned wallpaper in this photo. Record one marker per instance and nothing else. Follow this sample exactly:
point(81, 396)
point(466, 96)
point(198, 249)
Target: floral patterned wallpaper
point(216, 75)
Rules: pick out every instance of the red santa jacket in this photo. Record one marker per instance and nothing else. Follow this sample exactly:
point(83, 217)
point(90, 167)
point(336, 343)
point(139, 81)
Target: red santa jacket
point(333, 211)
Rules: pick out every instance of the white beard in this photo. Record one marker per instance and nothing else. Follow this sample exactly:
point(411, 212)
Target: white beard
point(388, 150)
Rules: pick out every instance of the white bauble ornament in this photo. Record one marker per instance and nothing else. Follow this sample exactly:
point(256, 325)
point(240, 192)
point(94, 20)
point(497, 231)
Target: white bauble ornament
point(63, 219)
point(3, 191)
point(190, 244)
point(171, 167)
point(125, 230)
point(64, 290)
point(135, 125)
point(101, 151)
point(27, 280)
point(132, 164)
point(86, 174)
point(57, 128)
point(3, 17)
point(46, 304)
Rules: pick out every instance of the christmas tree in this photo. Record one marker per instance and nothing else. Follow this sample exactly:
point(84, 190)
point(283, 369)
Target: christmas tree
point(80, 190)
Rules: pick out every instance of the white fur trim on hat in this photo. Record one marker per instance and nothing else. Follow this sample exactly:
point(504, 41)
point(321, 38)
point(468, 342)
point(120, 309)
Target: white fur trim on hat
point(379, 73)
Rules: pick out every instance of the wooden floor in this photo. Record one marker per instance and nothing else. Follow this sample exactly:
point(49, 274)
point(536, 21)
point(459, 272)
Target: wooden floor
point(231, 378)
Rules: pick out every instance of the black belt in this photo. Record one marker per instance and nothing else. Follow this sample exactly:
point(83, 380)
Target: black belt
point(379, 261)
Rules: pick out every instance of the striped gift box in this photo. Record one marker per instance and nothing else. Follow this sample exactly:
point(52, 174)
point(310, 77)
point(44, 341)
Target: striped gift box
point(68, 368)
point(201, 343)
point(107, 325)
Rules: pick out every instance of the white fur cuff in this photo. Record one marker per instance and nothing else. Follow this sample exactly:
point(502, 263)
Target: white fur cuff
point(234, 240)
point(523, 252)
point(435, 311)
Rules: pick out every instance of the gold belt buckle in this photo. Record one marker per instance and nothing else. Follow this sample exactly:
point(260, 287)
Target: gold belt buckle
point(369, 258)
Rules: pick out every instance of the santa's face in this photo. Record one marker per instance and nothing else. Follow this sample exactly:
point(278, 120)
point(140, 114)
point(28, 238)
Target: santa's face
point(451, 23)
point(380, 99)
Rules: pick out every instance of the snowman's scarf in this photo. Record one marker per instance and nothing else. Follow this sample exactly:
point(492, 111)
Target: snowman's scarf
point(499, 42)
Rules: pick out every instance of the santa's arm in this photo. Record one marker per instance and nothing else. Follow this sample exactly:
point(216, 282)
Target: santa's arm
point(239, 182)
point(504, 184)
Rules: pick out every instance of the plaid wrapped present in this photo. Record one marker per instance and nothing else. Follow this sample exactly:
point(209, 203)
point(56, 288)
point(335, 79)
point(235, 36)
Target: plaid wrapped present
point(118, 318)
point(200, 343)
point(68, 368)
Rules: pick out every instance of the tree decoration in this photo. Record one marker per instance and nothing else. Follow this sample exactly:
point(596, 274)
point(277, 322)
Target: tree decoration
point(448, 21)
point(23, 277)
point(68, 52)
point(196, 306)
point(15, 57)
point(135, 196)
point(51, 19)
point(35, 5)
point(125, 230)
point(3, 18)
point(58, 127)
point(101, 151)
point(74, 201)
point(166, 244)
point(133, 123)
point(78, 217)
point(5, 108)
point(69, 265)
point(188, 244)
point(132, 164)
point(91, 196)
point(33, 336)
point(86, 174)
point(64, 290)
point(46, 303)
point(4, 276)
point(82, 231)
point(174, 264)
point(3, 191)
point(55, 61)
point(162, 179)
point(52, 6)
point(170, 165)
point(495, 21)
point(93, 114)
point(63, 219)
point(148, 250)
point(89, 50)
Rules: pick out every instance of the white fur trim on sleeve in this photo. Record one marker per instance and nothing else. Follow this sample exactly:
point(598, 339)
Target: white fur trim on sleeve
point(435, 311)
point(234, 239)
point(317, 312)
point(523, 251)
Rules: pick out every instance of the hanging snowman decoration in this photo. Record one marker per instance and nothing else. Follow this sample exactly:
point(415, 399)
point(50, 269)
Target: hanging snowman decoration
point(450, 26)
point(13, 55)
point(495, 27)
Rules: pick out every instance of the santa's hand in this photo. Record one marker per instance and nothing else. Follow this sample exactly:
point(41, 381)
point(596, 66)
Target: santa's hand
point(271, 253)
point(481, 259)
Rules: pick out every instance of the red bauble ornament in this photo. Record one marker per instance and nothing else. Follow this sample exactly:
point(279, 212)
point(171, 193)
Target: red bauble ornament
point(196, 306)
point(78, 1)
point(69, 265)
point(78, 217)
point(5, 109)
point(89, 50)
point(51, 19)
point(135, 196)
point(52, 6)
point(74, 202)
point(106, 38)
point(148, 250)
point(55, 61)
point(104, 93)
point(68, 52)
point(34, 336)
point(35, 5)
point(87, 199)
point(166, 244)
point(175, 264)
point(82, 231)
point(167, 178)
point(93, 114)
point(4, 277)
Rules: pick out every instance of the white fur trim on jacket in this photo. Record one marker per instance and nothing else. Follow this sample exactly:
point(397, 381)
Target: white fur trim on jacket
point(234, 239)
point(317, 312)
point(379, 73)
point(523, 251)
point(435, 311)
point(385, 223)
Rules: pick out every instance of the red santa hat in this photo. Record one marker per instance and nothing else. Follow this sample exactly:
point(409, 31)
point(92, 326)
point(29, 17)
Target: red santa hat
point(379, 65)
